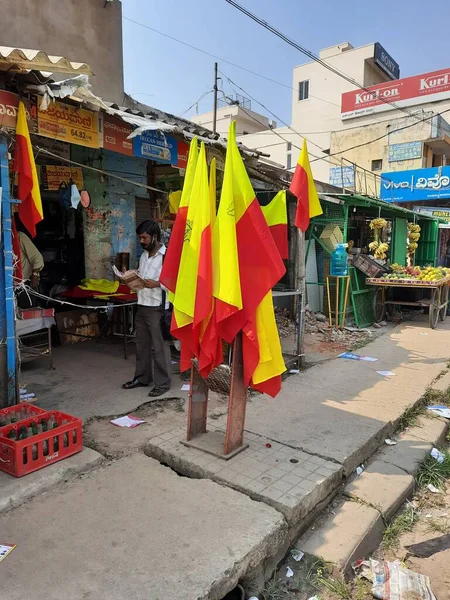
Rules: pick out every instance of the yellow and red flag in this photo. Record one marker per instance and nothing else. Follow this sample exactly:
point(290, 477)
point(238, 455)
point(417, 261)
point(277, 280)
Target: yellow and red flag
point(193, 301)
point(211, 352)
point(30, 208)
point(275, 214)
point(247, 264)
point(304, 189)
point(172, 258)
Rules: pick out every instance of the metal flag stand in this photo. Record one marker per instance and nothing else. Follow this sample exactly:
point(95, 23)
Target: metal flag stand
point(222, 444)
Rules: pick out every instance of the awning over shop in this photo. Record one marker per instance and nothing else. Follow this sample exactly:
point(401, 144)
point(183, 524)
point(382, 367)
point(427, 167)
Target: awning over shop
point(22, 60)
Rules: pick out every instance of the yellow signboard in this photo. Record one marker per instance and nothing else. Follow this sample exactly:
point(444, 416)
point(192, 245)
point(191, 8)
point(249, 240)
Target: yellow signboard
point(54, 175)
point(69, 124)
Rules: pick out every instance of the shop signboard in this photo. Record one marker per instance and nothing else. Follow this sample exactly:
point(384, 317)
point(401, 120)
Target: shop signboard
point(183, 151)
point(405, 151)
point(342, 177)
point(386, 62)
point(115, 135)
point(69, 124)
point(434, 211)
point(61, 149)
point(9, 105)
point(52, 176)
point(156, 146)
point(410, 91)
point(416, 184)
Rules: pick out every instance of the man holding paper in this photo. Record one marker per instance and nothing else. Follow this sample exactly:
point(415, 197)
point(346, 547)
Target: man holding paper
point(152, 353)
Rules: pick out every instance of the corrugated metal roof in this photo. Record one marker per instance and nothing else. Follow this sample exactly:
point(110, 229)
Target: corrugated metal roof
point(23, 60)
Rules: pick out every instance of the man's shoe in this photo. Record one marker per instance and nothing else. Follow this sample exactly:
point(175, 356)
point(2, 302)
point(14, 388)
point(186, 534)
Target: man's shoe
point(130, 385)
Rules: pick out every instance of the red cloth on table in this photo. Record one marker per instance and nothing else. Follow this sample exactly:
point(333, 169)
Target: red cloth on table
point(123, 290)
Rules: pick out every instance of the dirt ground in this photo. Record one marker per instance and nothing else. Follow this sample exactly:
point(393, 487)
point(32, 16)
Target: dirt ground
point(433, 521)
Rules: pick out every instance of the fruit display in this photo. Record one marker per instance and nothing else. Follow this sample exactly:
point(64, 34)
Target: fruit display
point(413, 275)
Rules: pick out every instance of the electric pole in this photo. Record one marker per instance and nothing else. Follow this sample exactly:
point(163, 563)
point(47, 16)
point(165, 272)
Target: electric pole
point(215, 100)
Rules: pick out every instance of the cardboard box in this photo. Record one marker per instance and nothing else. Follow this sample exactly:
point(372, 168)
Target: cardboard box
point(331, 236)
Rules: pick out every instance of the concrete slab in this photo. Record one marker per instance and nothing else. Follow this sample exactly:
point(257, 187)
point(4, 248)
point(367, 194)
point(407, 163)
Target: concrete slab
point(15, 491)
point(291, 481)
point(443, 383)
point(135, 529)
point(430, 429)
point(353, 532)
point(407, 454)
point(342, 410)
point(382, 486)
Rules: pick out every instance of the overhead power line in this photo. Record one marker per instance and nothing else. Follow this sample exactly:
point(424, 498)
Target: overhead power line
point(228, 62)
point(310, 54)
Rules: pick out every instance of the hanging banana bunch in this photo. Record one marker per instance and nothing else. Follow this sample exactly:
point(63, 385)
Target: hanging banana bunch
point(414, 236)
point(378, 248)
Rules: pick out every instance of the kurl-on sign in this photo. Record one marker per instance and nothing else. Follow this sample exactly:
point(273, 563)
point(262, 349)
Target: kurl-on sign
point(429, 87)
point(416, 184)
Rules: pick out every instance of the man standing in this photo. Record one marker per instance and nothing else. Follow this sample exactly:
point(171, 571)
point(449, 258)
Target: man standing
point(152, 353)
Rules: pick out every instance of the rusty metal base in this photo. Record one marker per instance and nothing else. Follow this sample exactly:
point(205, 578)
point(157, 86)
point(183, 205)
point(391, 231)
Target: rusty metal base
point(212, 442)
point(233, 440)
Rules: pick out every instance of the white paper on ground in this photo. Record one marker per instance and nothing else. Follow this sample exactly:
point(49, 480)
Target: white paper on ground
point(390, 442)
point(297, 554)
point(127, 421)
point(185, 387)
point(386, 373)
point(6, 549)
point(433, 489)
point(368, 358)
point(439, 456)
point(360, 469)
point(294, 371)
point(442, 411)
point(289, 572)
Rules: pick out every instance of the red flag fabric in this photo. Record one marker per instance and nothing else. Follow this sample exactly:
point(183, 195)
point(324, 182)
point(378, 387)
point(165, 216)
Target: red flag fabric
point(304, 189)
point(30, 208)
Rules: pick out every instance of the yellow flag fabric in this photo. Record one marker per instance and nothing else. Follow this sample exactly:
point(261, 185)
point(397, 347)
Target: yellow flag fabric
point(198, 217)
point(173, 256)
point(275, 212)
point(174, 201)
point(190, 173)
point(226, 279)
point(314, 203)
point(271, 361)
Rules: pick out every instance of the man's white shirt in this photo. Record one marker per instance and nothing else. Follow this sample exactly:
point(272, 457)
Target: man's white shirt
point(150, 267)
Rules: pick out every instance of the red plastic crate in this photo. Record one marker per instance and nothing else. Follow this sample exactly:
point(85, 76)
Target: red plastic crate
point(24, 408)
point(20, 457)
point(36, 313)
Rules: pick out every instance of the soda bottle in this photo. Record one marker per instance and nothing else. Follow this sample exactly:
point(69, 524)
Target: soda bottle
point(55, 439)
point(34, 449)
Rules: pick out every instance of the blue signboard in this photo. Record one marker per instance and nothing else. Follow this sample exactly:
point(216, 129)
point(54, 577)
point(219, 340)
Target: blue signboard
point(156, 146)
point(406, 151)
point(416, 184)
point(342, 177)
point(386, 62)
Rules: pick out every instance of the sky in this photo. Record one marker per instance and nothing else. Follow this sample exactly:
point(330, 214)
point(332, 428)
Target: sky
point(168, 75)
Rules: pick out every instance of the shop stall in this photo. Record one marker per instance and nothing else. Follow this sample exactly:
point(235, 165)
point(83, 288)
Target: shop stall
point(371, 228)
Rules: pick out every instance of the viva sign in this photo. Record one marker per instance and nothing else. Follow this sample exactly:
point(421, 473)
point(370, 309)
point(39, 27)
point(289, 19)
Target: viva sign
point(417, 184)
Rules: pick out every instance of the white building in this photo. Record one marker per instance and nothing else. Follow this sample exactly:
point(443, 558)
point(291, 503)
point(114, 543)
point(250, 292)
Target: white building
point(247, 121)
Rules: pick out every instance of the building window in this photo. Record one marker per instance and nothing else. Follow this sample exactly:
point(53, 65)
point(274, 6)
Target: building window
point(303, 90)
point(289, 146)
point(289, 162)
point(377, 164)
